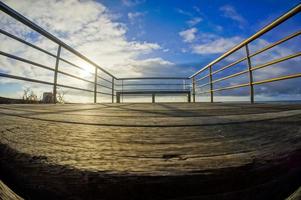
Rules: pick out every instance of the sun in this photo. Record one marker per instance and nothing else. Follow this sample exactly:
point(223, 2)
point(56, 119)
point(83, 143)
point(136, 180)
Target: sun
point(86, 70)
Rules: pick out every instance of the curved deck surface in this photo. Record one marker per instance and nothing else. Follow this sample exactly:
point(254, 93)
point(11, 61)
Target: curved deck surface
point(152, 151)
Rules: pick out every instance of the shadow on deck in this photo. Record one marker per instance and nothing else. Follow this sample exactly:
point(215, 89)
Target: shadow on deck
point(151, 151)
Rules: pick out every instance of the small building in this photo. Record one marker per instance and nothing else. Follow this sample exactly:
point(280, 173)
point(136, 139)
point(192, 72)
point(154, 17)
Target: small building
point(47, 97)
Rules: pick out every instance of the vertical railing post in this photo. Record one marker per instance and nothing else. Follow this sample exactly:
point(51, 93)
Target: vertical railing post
point(95, 85)
point(113, 89)
point(122, 90)
point(193, 89)
point(56, 72)
point(153, 98)
point(250, 74)
point(211, 84)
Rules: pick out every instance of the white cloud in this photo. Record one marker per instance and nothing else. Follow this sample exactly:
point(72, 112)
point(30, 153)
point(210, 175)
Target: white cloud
point(133, 15)
point(131, 3)
point(85, 25)
point(194, 21)
point(188, 35)
point(213, 45)
point(231, 13)
point(183, 12)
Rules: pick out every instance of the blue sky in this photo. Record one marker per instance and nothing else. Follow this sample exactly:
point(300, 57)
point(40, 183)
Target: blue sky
point(161, 21)
point(152, 38)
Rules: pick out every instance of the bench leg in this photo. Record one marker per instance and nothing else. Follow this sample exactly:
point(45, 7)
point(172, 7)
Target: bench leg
point(153, 98)
point(118, 98)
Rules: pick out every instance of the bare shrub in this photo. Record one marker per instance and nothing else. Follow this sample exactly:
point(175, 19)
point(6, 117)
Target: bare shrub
point(29, 96)
point(61, 96)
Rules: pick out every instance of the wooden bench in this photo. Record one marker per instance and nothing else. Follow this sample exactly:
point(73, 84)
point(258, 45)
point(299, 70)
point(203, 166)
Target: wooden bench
point(153, 93)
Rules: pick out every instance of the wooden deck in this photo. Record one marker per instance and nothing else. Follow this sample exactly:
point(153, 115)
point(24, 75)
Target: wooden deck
point(151, 151)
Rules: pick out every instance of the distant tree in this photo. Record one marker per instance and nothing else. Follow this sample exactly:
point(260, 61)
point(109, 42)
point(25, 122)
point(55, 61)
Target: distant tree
point(29, 96)
point(26, 94)
point(61, 96)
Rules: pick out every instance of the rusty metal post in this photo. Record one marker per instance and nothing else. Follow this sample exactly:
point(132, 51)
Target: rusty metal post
point(193, 89)
point(250, 74)
point(113, 89)
point(56, 72)
point(211, 84)
point(95, 85)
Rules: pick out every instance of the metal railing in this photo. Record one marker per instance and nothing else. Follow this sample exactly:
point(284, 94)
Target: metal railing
point(59, 59)
point(208, 71)
point(114, 84)
point(144, 85)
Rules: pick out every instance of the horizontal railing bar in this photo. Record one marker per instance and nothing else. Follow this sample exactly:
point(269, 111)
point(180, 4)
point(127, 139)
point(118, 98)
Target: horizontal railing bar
point(259, 51)
point(42, 82)
point(142, 84)
point(157, 94)
point(229, 65)
point(74, 65)
point(110, 94)
point(265, 29)
point(204, 92)
point(277, 79)
point(72, 87)
point(24, 79)
point(42, 66)
point(73, 76)
point(255, 83)
point(156, 78)
point(149, 89)
point(104, 86)
point(104, 79)
point(48, 83)
point(42, 50)
point(203, 85)
point(45, 33)
point(79, 67)
point(226, 88)
point(276, 61)
point(276, 43)
point(197, 80)
point(27, 43)
point(26, 61)
point(231, 87)
point(46, 67)
point(230, 76)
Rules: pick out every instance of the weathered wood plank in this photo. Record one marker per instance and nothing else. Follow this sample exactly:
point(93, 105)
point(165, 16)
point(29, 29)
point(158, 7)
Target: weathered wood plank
point(253, 147)
point(296, 195)
point(7, 194)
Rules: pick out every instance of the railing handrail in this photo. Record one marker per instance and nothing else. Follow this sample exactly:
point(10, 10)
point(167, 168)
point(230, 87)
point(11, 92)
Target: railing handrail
point(192, 79)
point(163, 78)
point(11, 12)
point(262, 31)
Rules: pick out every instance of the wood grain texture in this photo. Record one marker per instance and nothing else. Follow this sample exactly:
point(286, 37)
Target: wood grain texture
point(7, 194)
point(152, 151)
